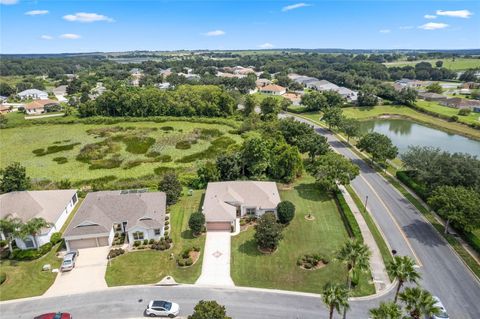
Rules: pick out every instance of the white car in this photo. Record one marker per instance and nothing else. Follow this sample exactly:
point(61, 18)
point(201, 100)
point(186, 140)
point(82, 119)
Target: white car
point(443, 313)
point(162, 308)
point(69, 261)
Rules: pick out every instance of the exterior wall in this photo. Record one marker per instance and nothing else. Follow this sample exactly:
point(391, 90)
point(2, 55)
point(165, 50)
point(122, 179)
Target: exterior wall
point(273, 92)
point(147, 233)
point(258, 212)
point(67, 239)
point(111, 236)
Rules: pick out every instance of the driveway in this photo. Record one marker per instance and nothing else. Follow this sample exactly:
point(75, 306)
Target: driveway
point(88, 274)
point(216, 260)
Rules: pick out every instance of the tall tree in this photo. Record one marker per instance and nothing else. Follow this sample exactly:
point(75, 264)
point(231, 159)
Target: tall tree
point(332, 116)
point(379, 146)
point(207, 173)
point(419, 303)
point(287, 163)
point(209, 309)
point(351, 128)
point(270, 106)
point(435, 87)
point(249, 105)
point(403, 269)
point(335, 297)
point(33, 228)
point(10, 227)
point(333, 168)
point(314, 144)
point(14, 178)
point(255, 156)
point(229, 166)
point(171, 186)
point(386, 310)
point(314, 101)
point(268, 232)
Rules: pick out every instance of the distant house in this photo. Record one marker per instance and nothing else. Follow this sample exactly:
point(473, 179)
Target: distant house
point(226, 201)
point(243, 71)
point(5, 109)
point(165, 72)
point(138, 215)
point(293, 97)
point(163, 86)
point(273, 89)
point(262, 82)
point(60, 92)
point(33, 94)
point(305, 80)
point(38, 106)
point(53, 205)
point(429, 96)
point(460, 103)
point(135, 71)
point(98, 90)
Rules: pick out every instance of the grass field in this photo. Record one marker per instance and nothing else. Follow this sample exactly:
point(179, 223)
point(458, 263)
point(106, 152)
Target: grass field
point(363, 113)
point(325, 235)
point(448, 111)
point(147, 267)
point(82, 152)
point(457, 65)
point(26, 278)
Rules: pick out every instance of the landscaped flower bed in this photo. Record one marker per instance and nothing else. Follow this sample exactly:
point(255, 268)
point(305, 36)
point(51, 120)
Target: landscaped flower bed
point(163, 244)
point(313, 261)
point(188, 257)
point(246, 222)
point(115, 252)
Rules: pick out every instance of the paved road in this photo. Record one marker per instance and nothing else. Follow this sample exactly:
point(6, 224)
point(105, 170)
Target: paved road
point(443, 273)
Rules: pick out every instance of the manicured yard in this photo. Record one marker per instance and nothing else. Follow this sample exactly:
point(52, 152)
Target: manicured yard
point(448, 111)
point(324, 235)
point(123, 151)
point(147, 267)
point(457, 65)
point(26, 278)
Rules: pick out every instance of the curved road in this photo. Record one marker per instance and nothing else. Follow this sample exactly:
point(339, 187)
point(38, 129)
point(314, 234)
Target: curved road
point(443, 273)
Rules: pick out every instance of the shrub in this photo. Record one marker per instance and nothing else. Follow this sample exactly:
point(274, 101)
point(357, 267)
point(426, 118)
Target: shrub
point(167, 223)
point(188, 261)
point(115, 252)
point(55, 238)
point(352, 225)
point(136, 243)
point(166, 227)
point(310, 261)
point(3, 277)
point(60, 160)
point(31, 254)
point(167, 217)
point(268, 232)
point(183, 145)
point(464, 112)
point(181, 262)
point(285, 212)
point(196, 222)
point(454, 118)
point(406, 178)
point(145, 241)
point(151, 241)
point(3, 243)
point(165, 233)
point(242, 222)
point(196, 248)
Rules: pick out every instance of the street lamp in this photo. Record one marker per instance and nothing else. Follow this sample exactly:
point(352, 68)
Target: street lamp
point(366, 202)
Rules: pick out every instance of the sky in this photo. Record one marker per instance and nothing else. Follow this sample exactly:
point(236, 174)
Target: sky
point(60, 26)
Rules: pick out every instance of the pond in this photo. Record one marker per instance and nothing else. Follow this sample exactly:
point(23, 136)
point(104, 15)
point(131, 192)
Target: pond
point(405, 132)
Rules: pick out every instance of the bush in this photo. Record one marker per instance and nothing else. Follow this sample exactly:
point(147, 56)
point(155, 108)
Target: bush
point(167, 218)
point(3, 277)
point(310, 261)
point(31, 254)
point(151, 241)
point(196, 222)
point(285, 212)
point(196, 248)
point(464, 112)
point(55, 238)
point(166, 227)
point(188, 261)
point(406, 178)
point(352, 224)
point(3, 243)
point(453, 118)
point(115, 252)
point(145, 241)
point(242, 222)
point(167, 223)
point(136, 243)
point(165, 233)
point(183, 145)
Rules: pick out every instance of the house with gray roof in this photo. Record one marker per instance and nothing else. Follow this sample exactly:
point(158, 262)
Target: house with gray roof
point(226, 201)
point(33, 94)
point(55, 206)
point(137, 214)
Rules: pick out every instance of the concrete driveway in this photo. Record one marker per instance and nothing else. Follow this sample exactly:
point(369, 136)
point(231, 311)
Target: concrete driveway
point(216, 260)
point(88, 274)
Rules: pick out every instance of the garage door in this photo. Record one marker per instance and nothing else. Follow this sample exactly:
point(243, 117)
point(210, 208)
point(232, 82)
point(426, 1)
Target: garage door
point(218, 226)
point(88, 242)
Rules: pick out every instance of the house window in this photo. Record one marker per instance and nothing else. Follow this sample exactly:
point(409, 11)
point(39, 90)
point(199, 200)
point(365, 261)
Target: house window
point(157, 232)
point(29, 243)
point(251, 211)
point(74, 199)
point(138, 235)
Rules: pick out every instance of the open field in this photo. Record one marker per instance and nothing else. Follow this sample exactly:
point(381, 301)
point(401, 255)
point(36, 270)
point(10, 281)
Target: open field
point(26, 278)
point(324, 235)
point(457, 65)
point(147, 267)
point(82, 152)
point(448, 111)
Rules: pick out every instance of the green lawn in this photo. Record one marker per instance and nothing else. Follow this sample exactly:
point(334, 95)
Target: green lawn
point(448, 111)
point(19, 144)
point(325, 235)
point(26, 278)
point(147, 267)
point(457, 65)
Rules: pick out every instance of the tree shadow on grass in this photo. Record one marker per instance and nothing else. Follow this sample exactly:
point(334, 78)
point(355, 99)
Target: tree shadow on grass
point(312, 192)
point(249, 248)
point(187, 234)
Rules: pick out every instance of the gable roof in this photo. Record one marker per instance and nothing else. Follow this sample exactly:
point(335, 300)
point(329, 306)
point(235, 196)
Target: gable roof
point(272, 88)
point(39, 104)
point(100, 210)
point(32, 92)
point(29, 204)
point(222, 198)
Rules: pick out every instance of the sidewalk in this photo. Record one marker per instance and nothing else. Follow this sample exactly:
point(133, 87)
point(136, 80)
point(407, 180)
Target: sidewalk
point(379, 273)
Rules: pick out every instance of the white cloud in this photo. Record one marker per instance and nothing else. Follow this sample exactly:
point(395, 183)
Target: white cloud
point(433, 26)
point(385, 31)
point(406, 27)
point(430, 16)
point(7, 2)
point(266, 45)
point(36, 12)
point(456, 13)
point(86, 17)
point(46, 37)
point(295, 6)
point(214, 33)
point(70, 36)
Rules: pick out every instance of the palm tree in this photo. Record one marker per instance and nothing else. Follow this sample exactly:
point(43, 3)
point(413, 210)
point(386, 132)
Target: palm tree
point(335, 297)
point(387, 310)
point(403, 269)
point(10, 227)
point(419, 302)
point(33, 227)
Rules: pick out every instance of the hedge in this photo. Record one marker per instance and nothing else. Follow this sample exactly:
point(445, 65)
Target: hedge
point(350, 221)
point(420, 190)
point(31, 254)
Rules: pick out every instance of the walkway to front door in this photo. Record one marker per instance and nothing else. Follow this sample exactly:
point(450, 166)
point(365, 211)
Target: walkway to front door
point(216, 260)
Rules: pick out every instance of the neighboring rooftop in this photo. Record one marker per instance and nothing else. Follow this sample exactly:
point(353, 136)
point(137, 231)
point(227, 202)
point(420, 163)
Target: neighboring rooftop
point(39, 104)
point(272, 88)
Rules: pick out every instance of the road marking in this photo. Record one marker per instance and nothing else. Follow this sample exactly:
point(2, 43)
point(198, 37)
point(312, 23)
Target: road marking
point(419, 263)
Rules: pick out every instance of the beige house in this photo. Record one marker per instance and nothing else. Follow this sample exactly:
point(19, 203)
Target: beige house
point(273, 89)
point(226, 201)
point(138, 215)
point(38, 106)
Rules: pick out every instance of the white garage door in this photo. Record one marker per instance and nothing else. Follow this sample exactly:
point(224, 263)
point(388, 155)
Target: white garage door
point(88, 242)
point(218, 226)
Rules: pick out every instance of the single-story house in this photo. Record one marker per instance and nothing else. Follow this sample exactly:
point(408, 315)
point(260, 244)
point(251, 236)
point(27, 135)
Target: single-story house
point(38, 106)
point(138, 215)
point(460, 103)
point(52, 205)
point(322, 85)
point(305, 80)
point(226, 201)
point(33, 94)
point(273, 89)
point(262, 82)
point(429, 96)
point(293, 97)
point(163, 86)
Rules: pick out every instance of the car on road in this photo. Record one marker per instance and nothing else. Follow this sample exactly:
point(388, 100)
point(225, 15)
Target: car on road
point(443, 312)
point(69, 261)
point(162, 308)
point(55, 315)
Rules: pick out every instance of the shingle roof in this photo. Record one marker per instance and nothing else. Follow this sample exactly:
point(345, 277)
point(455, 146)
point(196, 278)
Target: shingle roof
point(221, 198)
point(100, 210)
point(39, 104)
point(32, 92)
point(29, 204)
point(272, 88)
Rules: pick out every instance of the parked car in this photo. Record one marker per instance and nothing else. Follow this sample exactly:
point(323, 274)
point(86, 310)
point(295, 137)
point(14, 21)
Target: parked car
point(55, 315)
point(443, 313)
point(68, 261)
point(162, 308)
